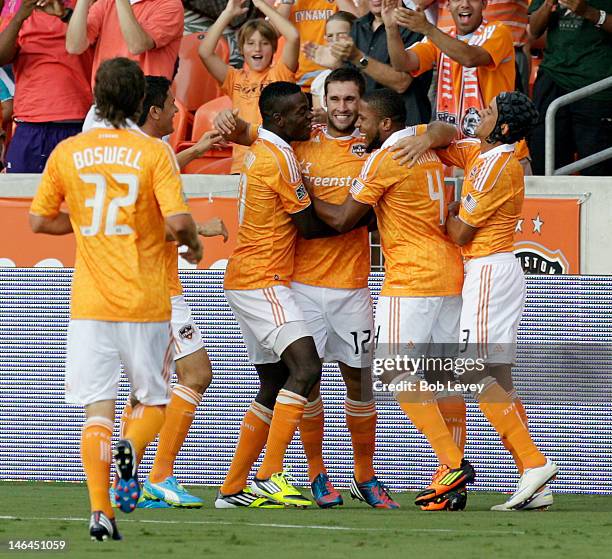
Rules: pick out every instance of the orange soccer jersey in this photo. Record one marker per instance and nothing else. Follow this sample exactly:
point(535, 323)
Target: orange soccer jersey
point(331, 164)
point(271, 189)
point(491, 197)
point(462, 90)
point(118, 186)
point(309, 17)
point(420, 259)
point(244, 88)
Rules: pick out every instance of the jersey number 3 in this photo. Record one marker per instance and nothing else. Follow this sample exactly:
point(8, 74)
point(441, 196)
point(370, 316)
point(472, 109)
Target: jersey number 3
point(97, 203)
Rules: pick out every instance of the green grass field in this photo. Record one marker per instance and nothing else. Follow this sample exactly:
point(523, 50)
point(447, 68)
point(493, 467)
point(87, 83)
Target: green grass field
point(578, 526)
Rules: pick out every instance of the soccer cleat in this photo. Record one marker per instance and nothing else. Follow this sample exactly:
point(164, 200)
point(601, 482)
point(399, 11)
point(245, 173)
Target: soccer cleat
point(278, 488)
point(245, 498)
point(172, 492)
point(451, 501)
point(530, 483)
point(374, 493)
point(324, 493)
point(146, 503)
point(541, 501)
point(127, 489)
point(445, 480)
point(101, 527)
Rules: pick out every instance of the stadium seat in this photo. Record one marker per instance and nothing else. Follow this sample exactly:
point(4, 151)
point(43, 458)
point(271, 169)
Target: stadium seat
point(205, 115)
point(203, 122)
point(181, 122)
point(193, 85)
point(209, 165)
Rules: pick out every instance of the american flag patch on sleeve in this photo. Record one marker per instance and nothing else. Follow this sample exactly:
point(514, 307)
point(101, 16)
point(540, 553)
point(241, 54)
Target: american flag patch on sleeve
point(356, 186)
point(469, 203)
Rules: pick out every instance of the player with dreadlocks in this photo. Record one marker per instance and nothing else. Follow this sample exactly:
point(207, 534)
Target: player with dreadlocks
point(483, 224)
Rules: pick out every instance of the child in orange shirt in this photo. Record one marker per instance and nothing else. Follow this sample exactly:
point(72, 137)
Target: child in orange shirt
point(257, 40)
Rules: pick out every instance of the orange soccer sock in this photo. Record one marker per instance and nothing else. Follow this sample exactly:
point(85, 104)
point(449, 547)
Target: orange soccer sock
point(311, 433)
point(361, 422)
point(180, 412)
point(253, 434)
point(452, 408)
point(497, 406)
point(143, 426)
point(523, 415)
point(287, 415)
point(96, 456)
point(126, 415)
point(423, 411)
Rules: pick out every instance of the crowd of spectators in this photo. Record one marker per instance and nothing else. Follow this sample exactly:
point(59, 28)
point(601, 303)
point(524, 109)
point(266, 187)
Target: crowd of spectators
point(447, 58)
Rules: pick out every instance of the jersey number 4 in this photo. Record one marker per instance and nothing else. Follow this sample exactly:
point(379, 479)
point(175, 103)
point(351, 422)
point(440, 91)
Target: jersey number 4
point(97, 203)
point(436, 193)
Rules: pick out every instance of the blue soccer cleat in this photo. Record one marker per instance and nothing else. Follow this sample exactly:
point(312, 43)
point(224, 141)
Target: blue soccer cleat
point(127, 489)
point(171, 492)
point(374, 493)
point(324, 493)
point(145, 503)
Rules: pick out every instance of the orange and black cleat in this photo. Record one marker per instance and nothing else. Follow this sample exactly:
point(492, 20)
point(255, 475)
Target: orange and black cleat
point(444, 481)
point(454, 500)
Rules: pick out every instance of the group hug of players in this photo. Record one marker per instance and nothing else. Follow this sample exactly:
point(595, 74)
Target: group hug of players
point(297, 284)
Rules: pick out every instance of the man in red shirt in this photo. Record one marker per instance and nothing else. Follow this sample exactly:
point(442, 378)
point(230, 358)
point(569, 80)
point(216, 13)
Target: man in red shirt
point(147, 31)
point(33, 40)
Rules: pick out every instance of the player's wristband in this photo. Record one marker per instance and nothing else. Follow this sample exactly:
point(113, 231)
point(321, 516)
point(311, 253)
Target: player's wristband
point(602, 18)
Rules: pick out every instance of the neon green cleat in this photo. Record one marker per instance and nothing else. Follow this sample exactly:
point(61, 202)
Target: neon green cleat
point(278, 488)
point(245, 498)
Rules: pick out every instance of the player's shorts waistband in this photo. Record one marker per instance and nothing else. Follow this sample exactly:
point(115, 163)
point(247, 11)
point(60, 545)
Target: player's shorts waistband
point(499, 258)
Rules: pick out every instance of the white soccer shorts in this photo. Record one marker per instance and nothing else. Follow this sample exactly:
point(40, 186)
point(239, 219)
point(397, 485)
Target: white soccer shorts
point(410, 325)
point(493, 301)
point(96, 349)
point(187, 335)
point(341, 322)
point(270, 321)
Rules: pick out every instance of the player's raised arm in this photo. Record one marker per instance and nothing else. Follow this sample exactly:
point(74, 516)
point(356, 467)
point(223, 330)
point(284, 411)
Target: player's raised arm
point(436, 134)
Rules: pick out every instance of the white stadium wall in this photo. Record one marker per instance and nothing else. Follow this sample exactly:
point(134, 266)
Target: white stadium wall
point(564, 374)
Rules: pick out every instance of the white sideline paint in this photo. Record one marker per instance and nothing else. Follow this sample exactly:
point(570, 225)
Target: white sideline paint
point(289, 526)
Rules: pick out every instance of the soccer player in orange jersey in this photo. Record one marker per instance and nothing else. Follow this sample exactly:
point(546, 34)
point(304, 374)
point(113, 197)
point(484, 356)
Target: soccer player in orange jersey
point(273, 207)
point(420, 301)
point(122, 189)
point(494, 288)
point(192, 365)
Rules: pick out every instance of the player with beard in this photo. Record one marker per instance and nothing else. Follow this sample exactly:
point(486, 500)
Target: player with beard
point(420, 301)
point(273, 207)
